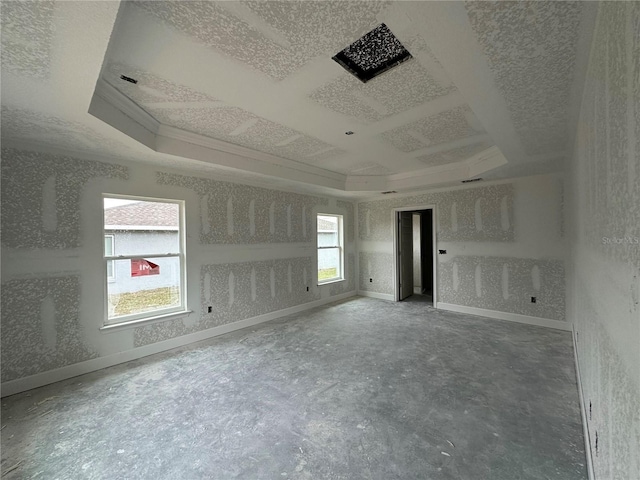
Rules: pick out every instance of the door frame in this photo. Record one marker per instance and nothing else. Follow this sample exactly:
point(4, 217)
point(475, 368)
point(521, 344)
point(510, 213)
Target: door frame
point(395, 216)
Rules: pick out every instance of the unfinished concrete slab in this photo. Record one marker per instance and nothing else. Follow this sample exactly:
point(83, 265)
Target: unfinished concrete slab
point(362, 388)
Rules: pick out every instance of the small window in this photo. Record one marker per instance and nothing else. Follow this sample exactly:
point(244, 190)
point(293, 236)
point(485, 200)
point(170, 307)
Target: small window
point(146, 278)
point(330, 248)
point(109, 251)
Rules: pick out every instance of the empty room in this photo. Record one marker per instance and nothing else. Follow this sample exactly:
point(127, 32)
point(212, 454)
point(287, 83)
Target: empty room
point(320, 240)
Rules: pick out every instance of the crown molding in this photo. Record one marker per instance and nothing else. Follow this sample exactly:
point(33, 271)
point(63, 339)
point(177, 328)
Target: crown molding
point(109, 93)
point(113, 108)
point(222, 146)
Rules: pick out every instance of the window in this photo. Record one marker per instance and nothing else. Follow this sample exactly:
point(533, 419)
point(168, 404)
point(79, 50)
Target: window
point(109, 244)
point(146, 278)
point(330, 254)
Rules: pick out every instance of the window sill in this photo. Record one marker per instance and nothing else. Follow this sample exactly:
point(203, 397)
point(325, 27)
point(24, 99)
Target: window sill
point(144, 321)
point(328, 282)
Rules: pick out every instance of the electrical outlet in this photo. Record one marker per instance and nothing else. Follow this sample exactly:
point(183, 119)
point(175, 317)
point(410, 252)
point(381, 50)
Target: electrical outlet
point(371, 280)
point(210, 309)
point(534, 299)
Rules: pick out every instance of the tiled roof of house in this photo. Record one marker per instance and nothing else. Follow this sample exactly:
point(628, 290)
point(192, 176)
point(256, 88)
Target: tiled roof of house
point(153, 214)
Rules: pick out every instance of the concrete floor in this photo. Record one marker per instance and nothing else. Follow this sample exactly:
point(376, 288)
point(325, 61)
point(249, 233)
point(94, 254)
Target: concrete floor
point(360, 389)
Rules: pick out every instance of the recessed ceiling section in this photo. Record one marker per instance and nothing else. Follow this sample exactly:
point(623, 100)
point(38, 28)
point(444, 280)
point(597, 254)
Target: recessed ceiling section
point(275, 38)
point(399, 116)
point(228, 34)
point(444, 127)
point(373, 54)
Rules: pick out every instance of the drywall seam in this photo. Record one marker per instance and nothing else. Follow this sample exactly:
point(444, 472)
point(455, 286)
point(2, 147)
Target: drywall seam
point(34, 381)
point(511, 317)
point(583, 409)
point(381, 296)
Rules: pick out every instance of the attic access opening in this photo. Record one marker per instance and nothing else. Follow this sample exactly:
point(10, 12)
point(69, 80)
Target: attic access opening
point(373, 54)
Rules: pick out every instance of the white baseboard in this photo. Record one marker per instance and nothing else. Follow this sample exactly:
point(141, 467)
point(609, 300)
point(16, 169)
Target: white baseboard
point(583, 411)
point(512, 317)
point(381, 296)
point(34, 381)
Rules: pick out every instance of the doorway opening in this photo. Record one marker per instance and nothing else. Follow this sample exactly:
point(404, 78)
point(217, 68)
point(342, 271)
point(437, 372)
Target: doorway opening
point(415, 258)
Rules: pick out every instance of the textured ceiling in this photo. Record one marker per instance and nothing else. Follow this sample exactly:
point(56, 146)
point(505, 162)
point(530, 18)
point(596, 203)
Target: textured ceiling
point(260, 75)
point(399, 90)
point(453, 155)
point(274, 37)
point(531, 49)
point(27, 37)
point(441, 128)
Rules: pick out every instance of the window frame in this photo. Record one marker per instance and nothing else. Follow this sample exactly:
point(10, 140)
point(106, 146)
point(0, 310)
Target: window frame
point(340, 247)
point(160, 313)
point(112, 278)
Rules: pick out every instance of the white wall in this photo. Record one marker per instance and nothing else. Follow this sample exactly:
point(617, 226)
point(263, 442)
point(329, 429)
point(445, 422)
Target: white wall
point(603, 294)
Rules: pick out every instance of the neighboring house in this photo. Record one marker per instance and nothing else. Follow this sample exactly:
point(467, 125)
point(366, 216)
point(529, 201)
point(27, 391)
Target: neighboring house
point(141, 228)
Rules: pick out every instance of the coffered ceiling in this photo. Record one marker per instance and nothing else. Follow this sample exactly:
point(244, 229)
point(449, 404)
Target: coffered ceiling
point(250, 88)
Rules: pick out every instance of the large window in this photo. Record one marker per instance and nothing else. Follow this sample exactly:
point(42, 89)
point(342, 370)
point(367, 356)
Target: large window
point(144, 277)
point(330, 248)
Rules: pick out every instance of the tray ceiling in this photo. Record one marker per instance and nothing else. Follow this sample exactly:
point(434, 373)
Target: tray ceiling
point(252, 87)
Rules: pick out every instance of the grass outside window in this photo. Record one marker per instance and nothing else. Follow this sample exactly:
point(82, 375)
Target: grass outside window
point(327, 274)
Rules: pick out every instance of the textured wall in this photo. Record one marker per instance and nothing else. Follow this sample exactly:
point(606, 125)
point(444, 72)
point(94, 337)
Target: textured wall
point(41, 198)
point(375, 272)
point(250, 251)
point(479, 214)
point(504, 284)
point(40, 326)
point(504, 245)
point(604, 272)
point(231, 213)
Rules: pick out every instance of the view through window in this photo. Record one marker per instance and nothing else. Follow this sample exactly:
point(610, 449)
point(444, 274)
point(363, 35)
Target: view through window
point(144, 258)
point(330, 263)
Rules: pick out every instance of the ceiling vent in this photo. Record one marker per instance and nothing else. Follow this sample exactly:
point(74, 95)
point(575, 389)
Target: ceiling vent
point(472, 180)
point(373, 54)
point(128, 79)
